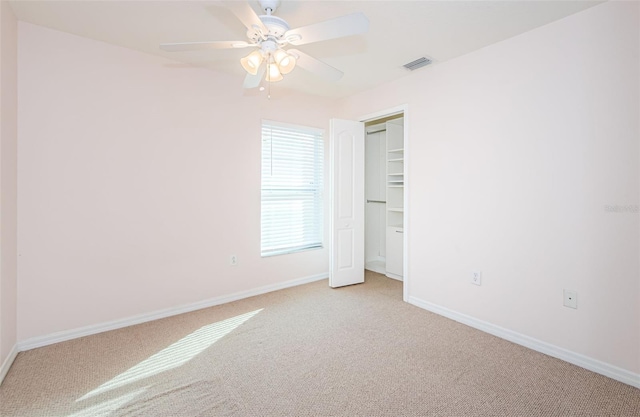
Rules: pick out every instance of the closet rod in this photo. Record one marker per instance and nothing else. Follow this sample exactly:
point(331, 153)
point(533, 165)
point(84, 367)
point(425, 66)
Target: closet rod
point(376, 201)
point(376, 131)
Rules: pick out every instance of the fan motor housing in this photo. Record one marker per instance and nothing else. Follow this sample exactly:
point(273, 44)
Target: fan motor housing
point(277, 28)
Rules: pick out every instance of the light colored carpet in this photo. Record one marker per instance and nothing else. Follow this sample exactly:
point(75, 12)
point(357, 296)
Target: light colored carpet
point(305, 351)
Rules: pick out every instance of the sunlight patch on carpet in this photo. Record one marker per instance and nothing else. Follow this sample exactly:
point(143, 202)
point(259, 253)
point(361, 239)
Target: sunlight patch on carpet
point(106, 408)
point(174, 355)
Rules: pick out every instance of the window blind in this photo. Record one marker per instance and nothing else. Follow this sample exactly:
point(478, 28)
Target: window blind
point(291, 192)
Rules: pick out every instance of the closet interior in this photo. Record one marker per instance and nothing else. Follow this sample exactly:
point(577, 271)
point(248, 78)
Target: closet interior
point(384, 194)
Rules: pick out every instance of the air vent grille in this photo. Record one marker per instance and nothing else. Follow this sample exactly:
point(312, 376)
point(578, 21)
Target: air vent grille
point(418, 63)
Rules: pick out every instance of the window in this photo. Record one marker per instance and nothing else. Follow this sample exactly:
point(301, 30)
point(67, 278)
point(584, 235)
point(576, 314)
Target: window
point(291, 194)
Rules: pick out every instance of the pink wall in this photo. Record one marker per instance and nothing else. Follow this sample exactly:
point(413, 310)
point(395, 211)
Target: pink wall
point(138, 179)
point(515, 150)
point(8, 181)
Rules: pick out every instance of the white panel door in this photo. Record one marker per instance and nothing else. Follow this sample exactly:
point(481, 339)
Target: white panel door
point(347, 203)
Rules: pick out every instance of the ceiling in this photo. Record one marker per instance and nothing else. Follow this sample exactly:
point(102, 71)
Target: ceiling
point(400, 32)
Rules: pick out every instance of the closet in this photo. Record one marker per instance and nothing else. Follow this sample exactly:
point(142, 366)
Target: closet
point(384, 194)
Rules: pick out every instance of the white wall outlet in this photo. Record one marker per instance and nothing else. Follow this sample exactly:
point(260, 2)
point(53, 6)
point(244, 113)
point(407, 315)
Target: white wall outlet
point(233, 260)
point(570, 298)
point(476, 277)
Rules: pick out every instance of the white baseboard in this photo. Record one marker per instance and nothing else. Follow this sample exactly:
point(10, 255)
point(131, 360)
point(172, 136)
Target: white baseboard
point(394, 276)
point(40, 341)
point(6, 365)
point(376, 266)
point(586, 362)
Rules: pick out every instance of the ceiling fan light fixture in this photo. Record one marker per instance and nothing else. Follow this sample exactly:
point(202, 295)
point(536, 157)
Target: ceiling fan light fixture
point(252, 62)
point(286, 62)
point(270, 34)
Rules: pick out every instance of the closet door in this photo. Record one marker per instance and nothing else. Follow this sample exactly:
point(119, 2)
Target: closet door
point(346, 147)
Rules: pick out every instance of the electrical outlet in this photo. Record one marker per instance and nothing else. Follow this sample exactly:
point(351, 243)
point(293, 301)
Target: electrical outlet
point(233, 260)
point(570, 298)
point(476, 277)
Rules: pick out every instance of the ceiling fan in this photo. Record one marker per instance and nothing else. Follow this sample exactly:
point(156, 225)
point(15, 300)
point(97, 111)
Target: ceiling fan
point(269, 35)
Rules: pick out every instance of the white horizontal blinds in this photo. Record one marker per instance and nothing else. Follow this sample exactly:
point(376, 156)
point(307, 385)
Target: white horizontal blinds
point(292, 170)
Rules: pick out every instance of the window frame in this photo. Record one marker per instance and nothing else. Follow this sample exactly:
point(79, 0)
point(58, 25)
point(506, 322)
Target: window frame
point(272, 192)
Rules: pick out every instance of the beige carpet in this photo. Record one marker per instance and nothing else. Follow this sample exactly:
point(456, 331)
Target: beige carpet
point(306, 351)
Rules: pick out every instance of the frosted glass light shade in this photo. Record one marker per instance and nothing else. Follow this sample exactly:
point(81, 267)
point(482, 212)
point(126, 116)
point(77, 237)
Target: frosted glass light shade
point(252, 62)
point(286, 62)
point(274, 74)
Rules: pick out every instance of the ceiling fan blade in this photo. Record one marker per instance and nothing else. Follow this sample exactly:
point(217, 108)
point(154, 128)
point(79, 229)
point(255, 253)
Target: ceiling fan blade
point(253, 81)
point(195, 46)
point(351, 24)
point(316, 66)
point(246, 15)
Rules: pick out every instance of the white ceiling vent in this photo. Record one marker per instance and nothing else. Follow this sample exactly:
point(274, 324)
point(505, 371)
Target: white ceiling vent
point(418, 63)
